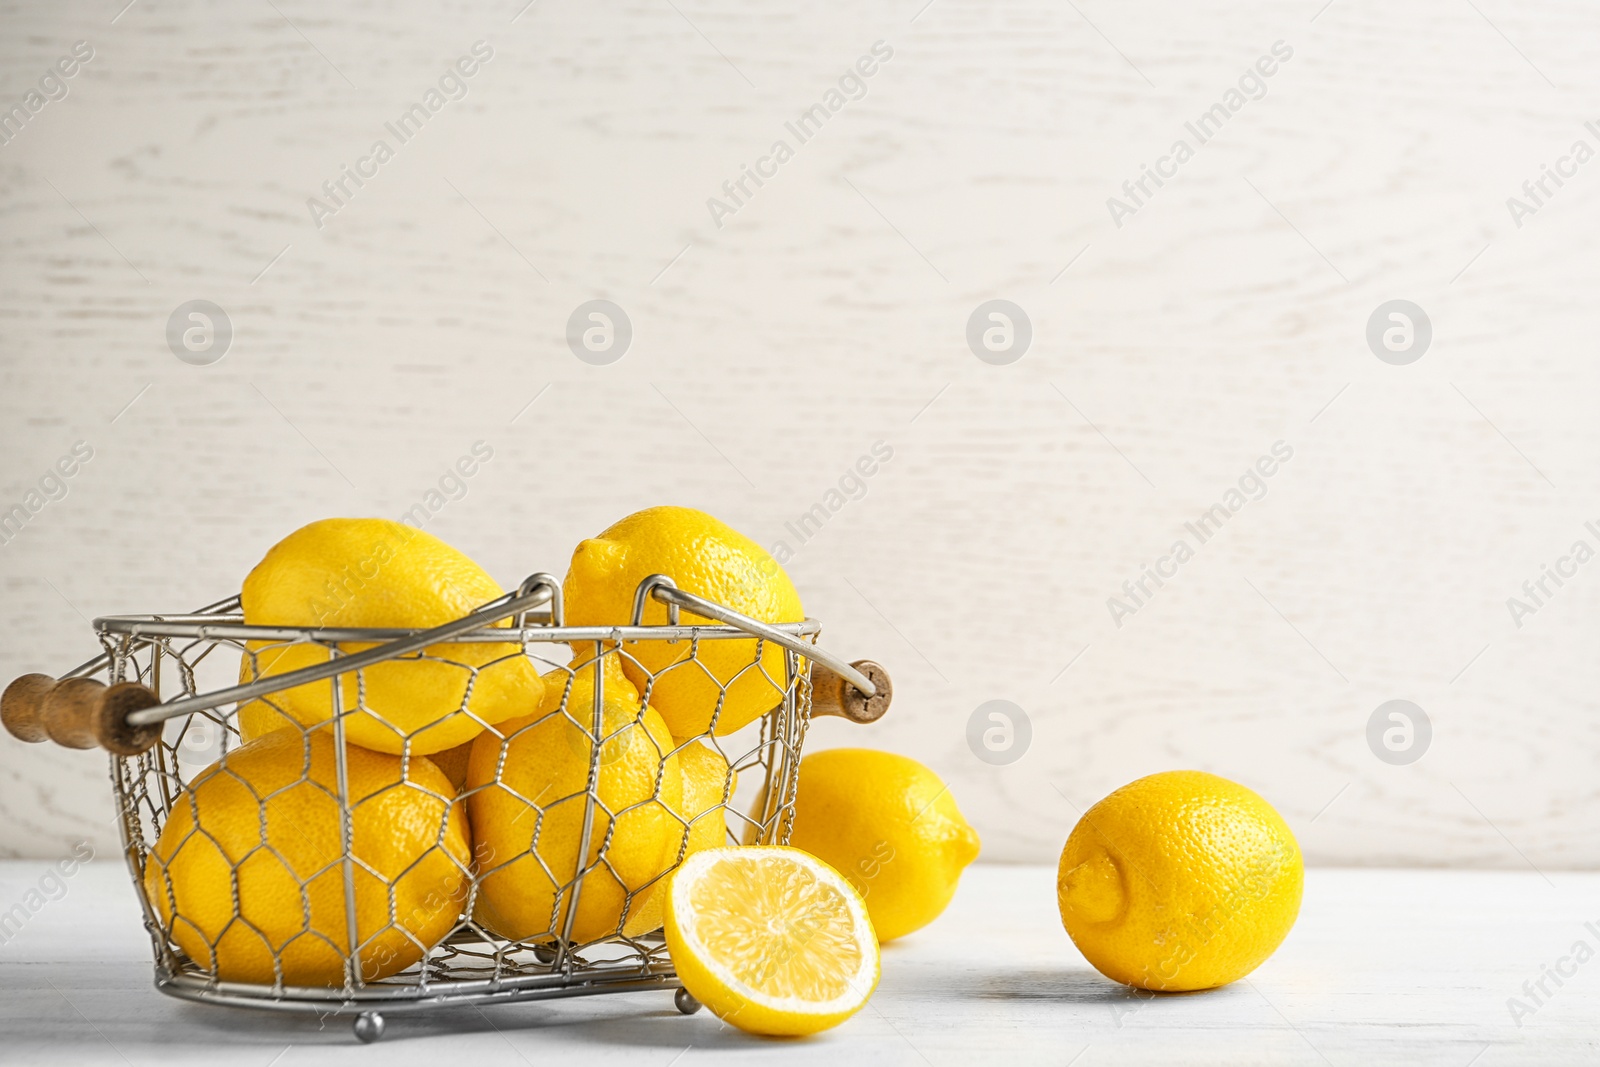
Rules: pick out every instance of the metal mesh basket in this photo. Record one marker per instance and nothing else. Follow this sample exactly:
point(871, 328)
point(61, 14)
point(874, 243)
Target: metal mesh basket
point(348, 861)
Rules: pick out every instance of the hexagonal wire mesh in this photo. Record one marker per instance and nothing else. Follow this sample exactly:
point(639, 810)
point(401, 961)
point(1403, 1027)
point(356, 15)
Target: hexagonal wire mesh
point(474, 835)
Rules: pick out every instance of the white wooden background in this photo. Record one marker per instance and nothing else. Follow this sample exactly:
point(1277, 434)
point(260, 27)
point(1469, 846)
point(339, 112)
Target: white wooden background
point(829, 314)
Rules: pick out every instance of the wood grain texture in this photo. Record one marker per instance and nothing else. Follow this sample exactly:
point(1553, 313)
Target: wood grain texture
point(1383, 967)
point(827, 314)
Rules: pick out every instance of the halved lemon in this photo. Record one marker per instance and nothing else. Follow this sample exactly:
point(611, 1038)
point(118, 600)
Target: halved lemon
point(771, 939)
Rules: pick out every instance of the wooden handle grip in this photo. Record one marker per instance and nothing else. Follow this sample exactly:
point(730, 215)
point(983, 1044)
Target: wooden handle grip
point(22, 707)
point(78, 713)
point(70, 711)
point(832, 695)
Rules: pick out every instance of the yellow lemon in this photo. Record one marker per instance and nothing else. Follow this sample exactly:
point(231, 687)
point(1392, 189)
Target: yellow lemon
point(771, 939)
point(453, 762)
point(264, 820)
point(376, 573)
point(527, 791)
point(1179, 881)
point(889, 825)
point(708, 785)
point(710, 559)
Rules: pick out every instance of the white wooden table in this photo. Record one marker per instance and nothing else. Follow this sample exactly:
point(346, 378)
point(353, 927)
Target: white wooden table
point(1384, 966)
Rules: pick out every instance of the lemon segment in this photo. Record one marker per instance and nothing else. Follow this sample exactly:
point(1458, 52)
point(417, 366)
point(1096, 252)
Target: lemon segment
point(771, 939)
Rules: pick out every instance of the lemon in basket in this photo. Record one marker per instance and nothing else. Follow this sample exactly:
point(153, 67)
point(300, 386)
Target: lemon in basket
point(771, 939)
point(889, 825)
point(712, 560)
point(528, 793)
point(1179, 881)
point(376, 573)
point(708, 784)
point(265, 822)
point(453, 762)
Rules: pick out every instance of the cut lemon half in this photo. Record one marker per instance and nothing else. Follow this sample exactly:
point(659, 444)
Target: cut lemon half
point(771, 939)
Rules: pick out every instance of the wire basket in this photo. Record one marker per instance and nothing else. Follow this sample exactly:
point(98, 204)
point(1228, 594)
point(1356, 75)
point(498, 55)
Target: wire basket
point(346, 863)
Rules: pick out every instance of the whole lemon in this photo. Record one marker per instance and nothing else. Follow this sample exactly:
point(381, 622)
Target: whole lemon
point(708, 784)
point(528, 785)
point(890, 826)
point(376, 573)
point(1179, 881)
point(710, 559)
point(263, 822)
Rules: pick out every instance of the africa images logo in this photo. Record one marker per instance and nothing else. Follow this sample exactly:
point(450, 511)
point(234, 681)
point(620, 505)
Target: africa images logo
point(1252, 85)
point(852, 86)
point(52, 87)
point(453, 85)
point(1252, 485)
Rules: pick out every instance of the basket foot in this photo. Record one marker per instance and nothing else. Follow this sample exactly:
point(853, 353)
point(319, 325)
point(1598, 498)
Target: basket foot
point(685, 1001)
point(368, 1027)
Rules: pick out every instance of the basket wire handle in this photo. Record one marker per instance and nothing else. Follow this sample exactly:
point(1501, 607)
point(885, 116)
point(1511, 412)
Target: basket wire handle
point(81, 712)
point(858, 691)
point(78, 711)
point(540, 588)
point(666, 590)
